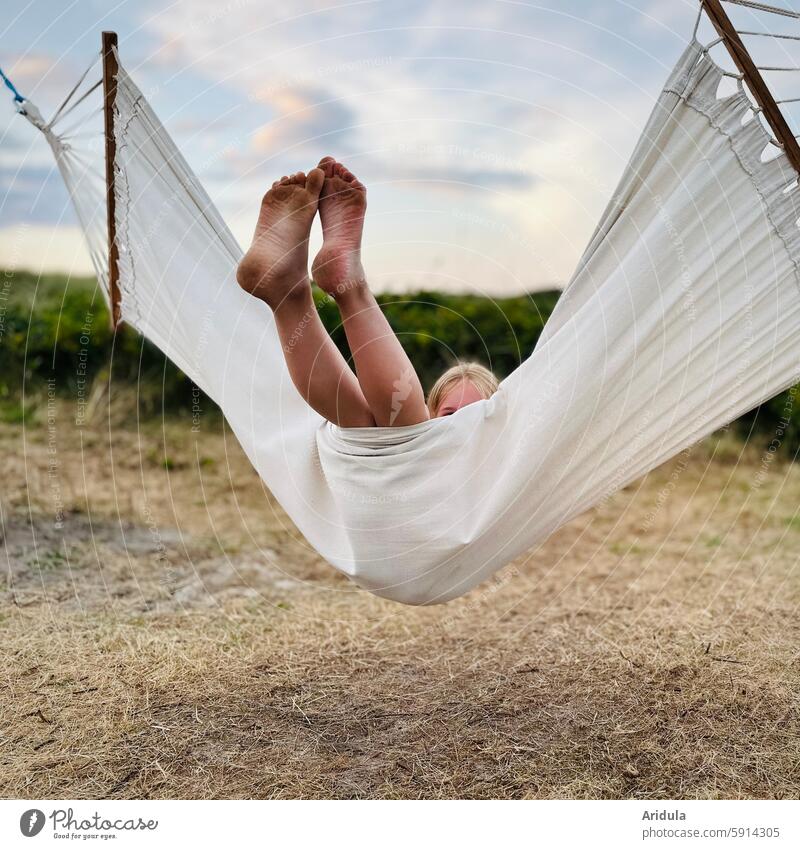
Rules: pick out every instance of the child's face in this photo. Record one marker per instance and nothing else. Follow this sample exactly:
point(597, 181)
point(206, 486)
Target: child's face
point(459, 396)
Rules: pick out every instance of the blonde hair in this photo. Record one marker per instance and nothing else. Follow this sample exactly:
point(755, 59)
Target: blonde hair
point(479, 376)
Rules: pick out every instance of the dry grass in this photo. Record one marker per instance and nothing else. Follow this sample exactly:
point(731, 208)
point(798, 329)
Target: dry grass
point(176, 638)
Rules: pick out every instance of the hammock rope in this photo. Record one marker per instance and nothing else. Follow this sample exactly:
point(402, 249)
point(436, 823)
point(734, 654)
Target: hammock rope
point(765, 7)
point(778, 35)
point(60, 111)
point(76, 104)
point(18, 98)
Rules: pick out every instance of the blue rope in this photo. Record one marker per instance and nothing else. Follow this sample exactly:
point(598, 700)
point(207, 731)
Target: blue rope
point(18, 98)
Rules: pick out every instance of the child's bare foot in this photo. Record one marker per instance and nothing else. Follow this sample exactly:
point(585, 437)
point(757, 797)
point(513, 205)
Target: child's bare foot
point(276, 265)
point(337, 267)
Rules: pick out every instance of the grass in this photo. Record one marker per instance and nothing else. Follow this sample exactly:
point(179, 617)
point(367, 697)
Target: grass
point(176, 637)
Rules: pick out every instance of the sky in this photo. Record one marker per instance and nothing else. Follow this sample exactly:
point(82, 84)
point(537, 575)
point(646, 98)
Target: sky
point(490, 134)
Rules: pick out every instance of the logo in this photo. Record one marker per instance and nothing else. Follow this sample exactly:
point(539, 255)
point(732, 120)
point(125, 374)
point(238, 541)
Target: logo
point(31, 822)
point(66, 825)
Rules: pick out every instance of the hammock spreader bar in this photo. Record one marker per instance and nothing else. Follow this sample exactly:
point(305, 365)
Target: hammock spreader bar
point(110, 71)
point(752, 76)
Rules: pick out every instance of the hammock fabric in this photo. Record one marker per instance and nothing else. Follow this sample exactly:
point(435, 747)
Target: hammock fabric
point(683, 314)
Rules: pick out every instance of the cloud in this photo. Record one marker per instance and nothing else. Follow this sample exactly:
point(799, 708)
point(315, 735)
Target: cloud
point(28, 70)
point(33, 193)
point(521, 115)
point(412, 73)
point(43, 77)
point(43, 248)
point(302, 115)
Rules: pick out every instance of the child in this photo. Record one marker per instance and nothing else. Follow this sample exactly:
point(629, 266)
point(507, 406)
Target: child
point(460, 385)
point(386, 391)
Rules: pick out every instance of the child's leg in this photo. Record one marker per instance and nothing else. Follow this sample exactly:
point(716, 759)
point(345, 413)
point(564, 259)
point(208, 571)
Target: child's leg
point(275, 269)
point(388, 380)
point(316, 366)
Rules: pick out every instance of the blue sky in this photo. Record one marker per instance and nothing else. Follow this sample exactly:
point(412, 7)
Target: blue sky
point(490, 134)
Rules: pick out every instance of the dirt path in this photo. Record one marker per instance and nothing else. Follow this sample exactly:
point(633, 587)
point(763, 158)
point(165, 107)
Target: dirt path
point(166, 633)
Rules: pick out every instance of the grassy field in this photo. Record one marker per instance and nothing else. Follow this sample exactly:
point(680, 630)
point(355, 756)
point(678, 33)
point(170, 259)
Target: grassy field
point(165, 632)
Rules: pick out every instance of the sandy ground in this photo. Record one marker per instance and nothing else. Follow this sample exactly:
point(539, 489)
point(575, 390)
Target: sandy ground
point(165, 632)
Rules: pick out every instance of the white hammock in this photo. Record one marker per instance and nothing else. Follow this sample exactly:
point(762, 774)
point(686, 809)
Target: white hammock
point(683, 314)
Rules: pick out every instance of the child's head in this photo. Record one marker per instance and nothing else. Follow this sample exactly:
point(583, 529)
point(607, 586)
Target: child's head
point(460, 385)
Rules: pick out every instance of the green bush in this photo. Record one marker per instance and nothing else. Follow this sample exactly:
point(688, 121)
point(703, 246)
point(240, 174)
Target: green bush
point(436, 329)
point(55, 332)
